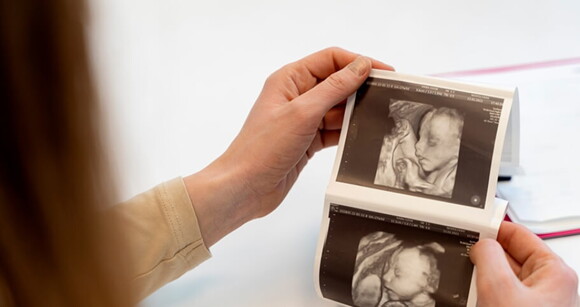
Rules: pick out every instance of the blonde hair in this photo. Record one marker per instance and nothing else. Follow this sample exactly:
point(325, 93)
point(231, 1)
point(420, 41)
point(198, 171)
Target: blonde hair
point(57, 250)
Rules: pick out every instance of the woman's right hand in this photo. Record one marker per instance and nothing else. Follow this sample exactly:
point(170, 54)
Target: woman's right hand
point(520, 270)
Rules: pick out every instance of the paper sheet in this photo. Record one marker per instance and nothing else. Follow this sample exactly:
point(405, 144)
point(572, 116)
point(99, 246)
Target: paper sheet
point(545, 196)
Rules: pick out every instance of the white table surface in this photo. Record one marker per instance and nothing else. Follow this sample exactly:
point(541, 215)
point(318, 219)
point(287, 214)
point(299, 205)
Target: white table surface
point(178, 77)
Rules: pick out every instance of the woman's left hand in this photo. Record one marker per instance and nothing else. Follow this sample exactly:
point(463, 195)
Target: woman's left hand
point(298, 113)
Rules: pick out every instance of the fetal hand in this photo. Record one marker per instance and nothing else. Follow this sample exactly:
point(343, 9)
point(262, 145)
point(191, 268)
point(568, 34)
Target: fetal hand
point(409, 173)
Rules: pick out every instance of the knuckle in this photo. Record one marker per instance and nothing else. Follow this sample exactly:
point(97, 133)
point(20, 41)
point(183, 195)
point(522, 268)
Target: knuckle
point(273, 77)
point(282, 72)
point(569, 276)
point(333, 49)
point(336, 82)
point(270, 78)
point(338, 50)
point(561, 271)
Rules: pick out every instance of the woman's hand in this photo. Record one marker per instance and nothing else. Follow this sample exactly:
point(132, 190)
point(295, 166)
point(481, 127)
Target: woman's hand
point(520, 270)
point(298, 113)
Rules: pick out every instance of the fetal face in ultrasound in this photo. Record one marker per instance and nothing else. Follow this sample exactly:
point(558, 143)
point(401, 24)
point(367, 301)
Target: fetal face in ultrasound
point(434, 144)
point(388, 273)
point(421, 151)
point(370, 259)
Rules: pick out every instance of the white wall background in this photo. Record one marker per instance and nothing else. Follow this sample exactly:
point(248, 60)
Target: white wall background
point(178, 77)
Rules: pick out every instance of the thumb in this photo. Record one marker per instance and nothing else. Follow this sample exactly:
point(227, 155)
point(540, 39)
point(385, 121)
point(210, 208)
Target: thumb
point(494, 276)
point(336, 87)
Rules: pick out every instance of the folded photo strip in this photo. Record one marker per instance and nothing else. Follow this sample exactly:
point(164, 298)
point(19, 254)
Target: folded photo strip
point(412, 189)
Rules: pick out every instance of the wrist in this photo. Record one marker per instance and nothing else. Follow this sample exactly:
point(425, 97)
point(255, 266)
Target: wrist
point(218, 199)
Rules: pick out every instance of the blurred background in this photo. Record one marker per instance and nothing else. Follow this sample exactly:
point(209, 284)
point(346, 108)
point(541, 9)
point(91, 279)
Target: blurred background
point(178, 77)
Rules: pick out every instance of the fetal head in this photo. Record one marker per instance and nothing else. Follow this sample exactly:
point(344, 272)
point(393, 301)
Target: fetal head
point(410, 273)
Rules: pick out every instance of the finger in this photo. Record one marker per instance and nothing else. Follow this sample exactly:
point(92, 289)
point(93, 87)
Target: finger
point(300, 165)
point(326, 62)
point(520, 243)
point(494, 275)
point(335, 88)
point(309, 71)
point(333, 118)
point(330, 138)
point(516, 266)
point(323, 139)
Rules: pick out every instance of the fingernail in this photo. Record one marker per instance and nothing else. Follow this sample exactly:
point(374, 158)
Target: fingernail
point(360, 66)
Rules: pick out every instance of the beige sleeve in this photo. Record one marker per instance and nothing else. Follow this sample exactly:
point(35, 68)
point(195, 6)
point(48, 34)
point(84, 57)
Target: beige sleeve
point(163, 233)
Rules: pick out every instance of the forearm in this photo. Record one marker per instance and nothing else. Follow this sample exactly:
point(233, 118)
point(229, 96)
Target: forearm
point(164, 240)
